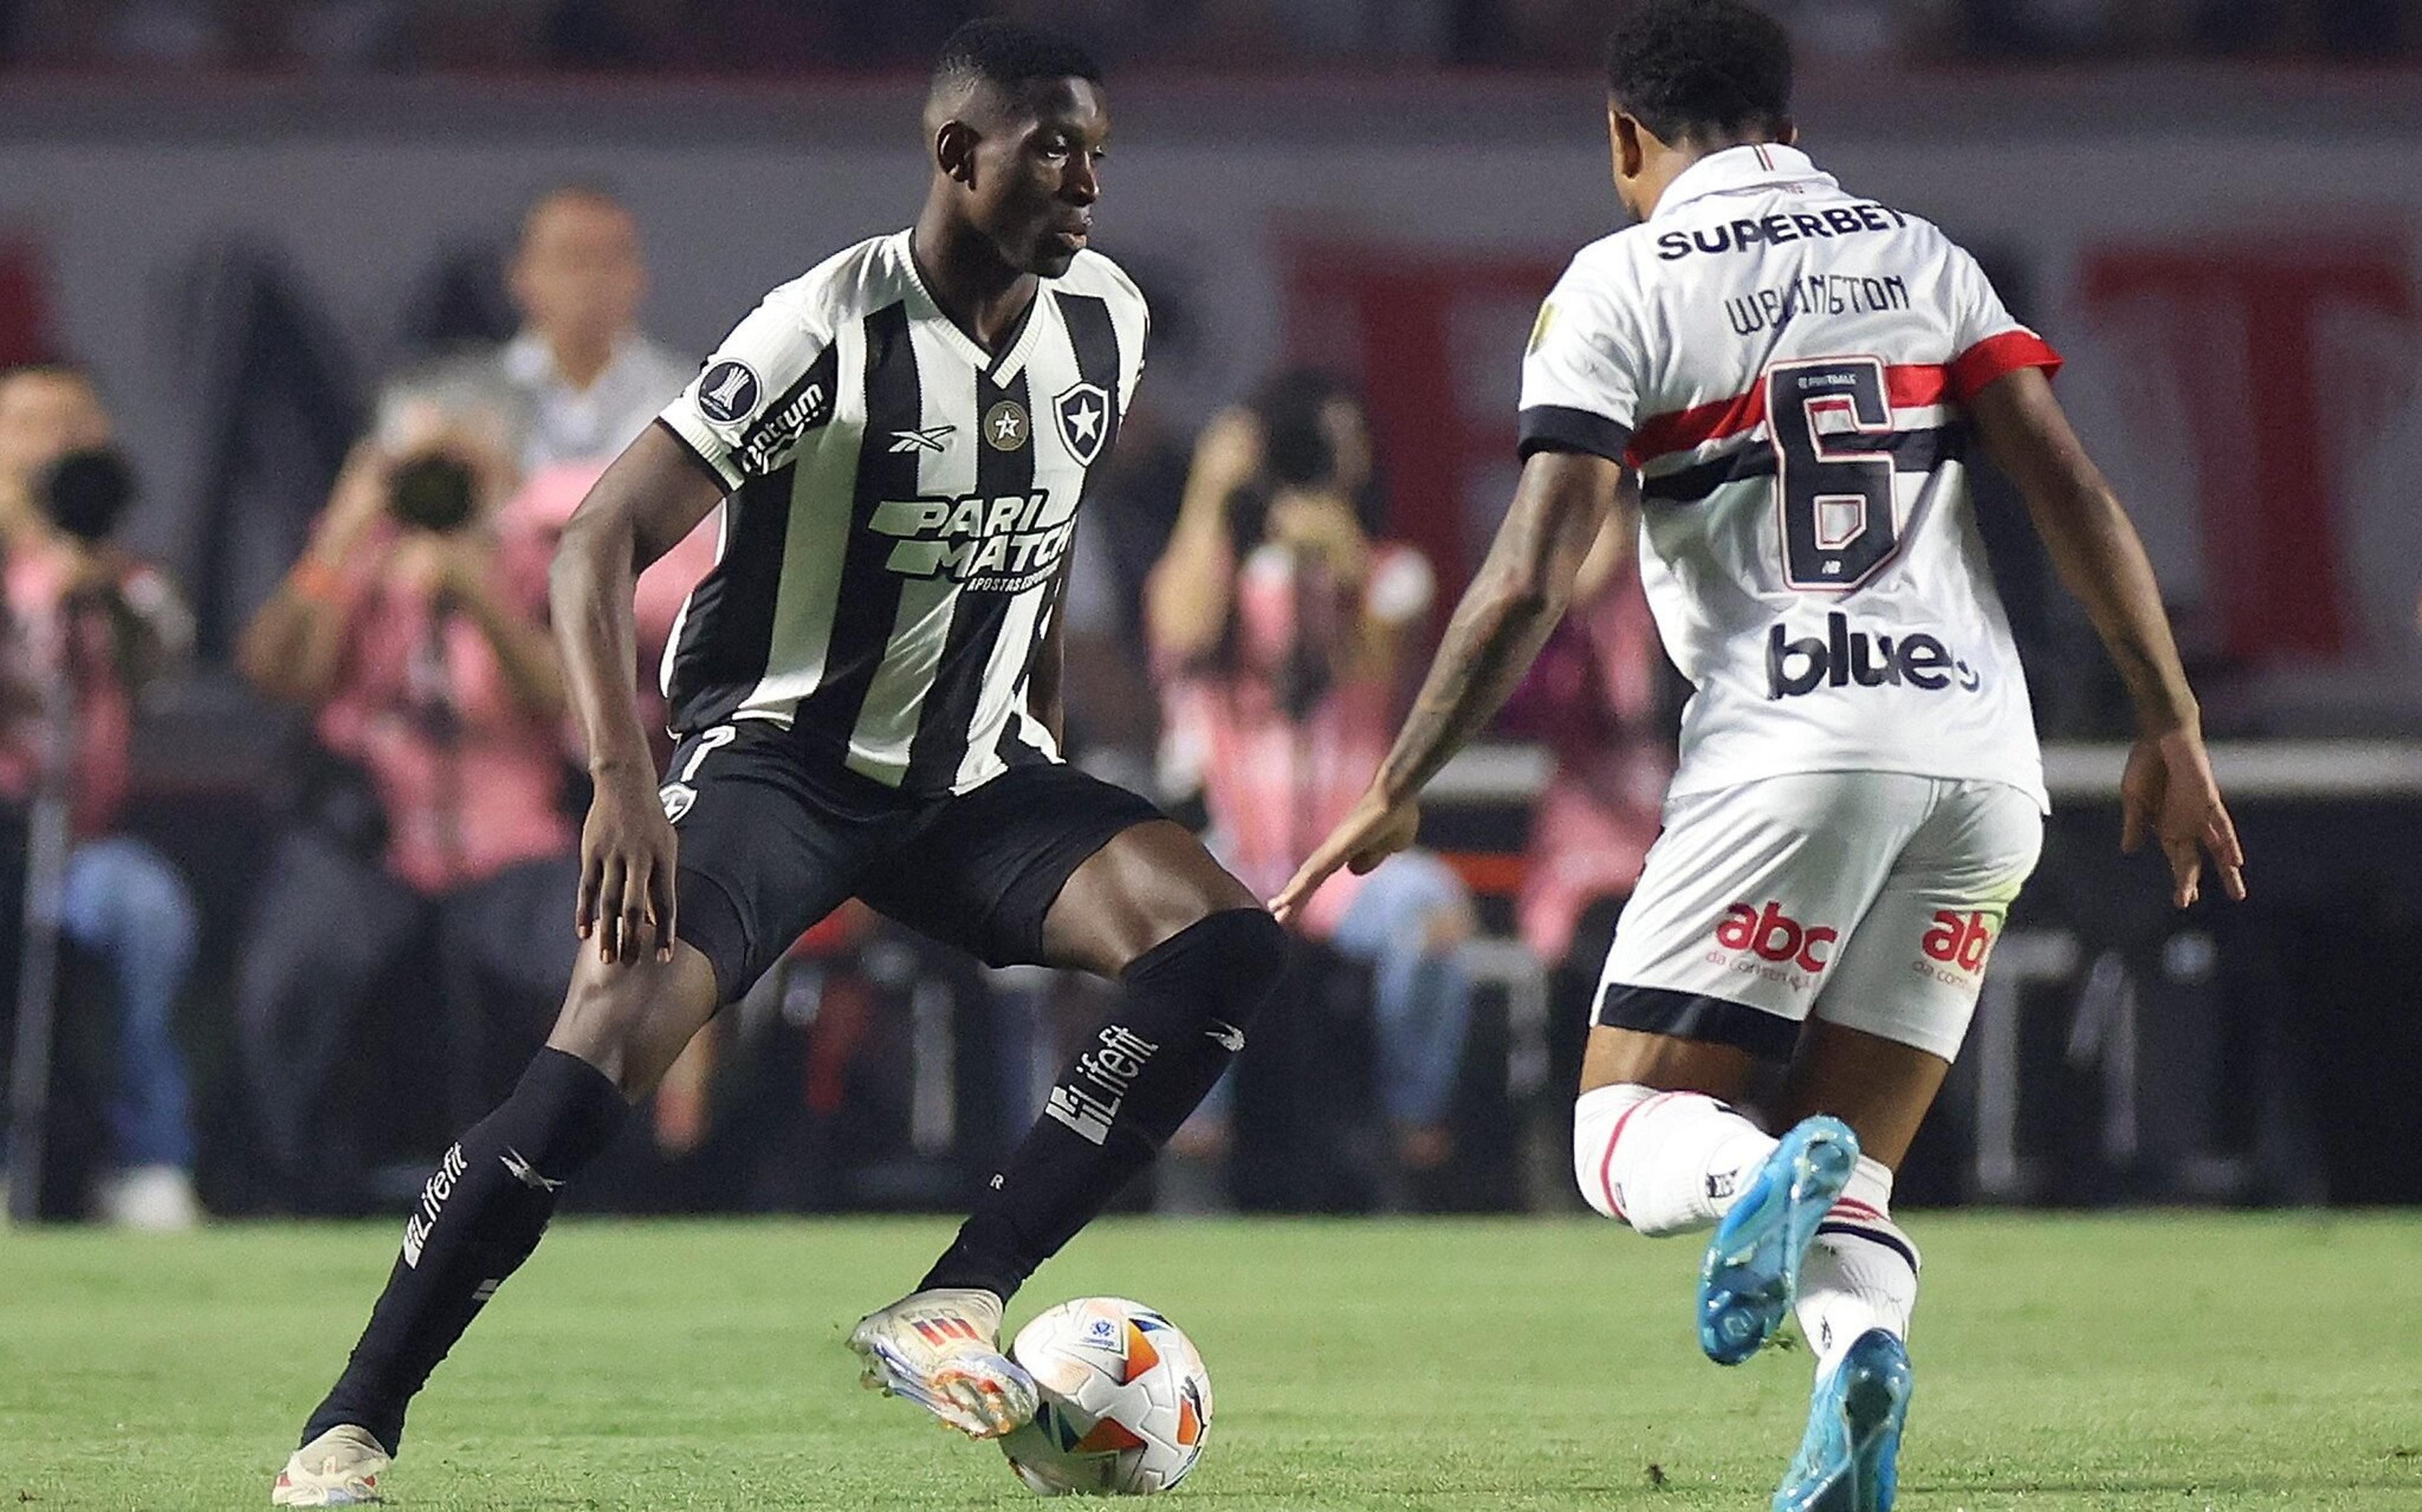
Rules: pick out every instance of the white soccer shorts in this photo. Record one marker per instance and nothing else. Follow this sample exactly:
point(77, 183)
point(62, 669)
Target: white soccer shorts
point(1870, 899)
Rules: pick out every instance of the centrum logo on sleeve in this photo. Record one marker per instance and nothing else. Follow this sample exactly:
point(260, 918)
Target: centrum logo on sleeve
point(775, 436)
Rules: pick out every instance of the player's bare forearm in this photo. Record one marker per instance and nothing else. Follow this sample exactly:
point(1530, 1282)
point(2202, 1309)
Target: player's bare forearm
point(2093, 544)
point(652, 496)
point(1561, 504)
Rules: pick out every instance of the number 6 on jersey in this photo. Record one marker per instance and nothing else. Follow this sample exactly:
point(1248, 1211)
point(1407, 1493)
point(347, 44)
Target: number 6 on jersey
point(1829, 421)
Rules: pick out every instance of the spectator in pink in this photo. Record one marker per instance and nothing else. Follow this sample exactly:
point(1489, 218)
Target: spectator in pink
point(1596, 699)
point(89, 624)
point(414, 629)
point(534, 519)
point(1281, 627)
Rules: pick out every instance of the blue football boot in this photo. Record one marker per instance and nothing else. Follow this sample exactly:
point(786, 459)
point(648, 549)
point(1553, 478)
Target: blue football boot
point(1848, 1461)
point(1752, 1271)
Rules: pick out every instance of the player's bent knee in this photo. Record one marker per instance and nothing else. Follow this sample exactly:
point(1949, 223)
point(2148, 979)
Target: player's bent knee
point(1252, 951)
point(1243, 950)
point(1597, 1115)
point(631, 1021)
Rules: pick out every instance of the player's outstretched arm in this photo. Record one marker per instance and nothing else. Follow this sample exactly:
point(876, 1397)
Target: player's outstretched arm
point(2168, 791)
point(655, 494)
point(1560, 507)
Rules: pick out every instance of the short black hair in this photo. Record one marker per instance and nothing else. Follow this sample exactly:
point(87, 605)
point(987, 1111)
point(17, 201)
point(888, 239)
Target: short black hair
point(1009, 55)
point(1702, 71)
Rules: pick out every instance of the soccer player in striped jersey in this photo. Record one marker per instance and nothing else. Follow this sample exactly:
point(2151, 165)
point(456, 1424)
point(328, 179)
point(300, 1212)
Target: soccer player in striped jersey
point(1792, 376)
point(867, 692)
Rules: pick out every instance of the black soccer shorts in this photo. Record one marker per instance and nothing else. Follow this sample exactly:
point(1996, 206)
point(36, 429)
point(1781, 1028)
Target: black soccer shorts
point(774, 834)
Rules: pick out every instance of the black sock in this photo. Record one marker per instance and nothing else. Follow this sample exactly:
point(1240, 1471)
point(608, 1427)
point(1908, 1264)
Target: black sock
point(479, 1219)
point(1189, 1001)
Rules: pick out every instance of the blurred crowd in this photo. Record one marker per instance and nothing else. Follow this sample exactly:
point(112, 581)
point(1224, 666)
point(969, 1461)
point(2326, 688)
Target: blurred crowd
point(1244, 632)
point(764, 37)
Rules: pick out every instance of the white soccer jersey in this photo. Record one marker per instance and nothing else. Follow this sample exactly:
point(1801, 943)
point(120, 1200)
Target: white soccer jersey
point(1783, 364)
point(902, 504)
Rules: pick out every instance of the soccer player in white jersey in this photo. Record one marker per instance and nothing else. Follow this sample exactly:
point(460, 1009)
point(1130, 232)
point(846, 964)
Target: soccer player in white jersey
point(866, 688)
point(1794, 379)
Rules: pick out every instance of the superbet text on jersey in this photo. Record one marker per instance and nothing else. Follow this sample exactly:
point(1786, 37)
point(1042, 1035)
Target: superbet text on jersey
point(1783, 364)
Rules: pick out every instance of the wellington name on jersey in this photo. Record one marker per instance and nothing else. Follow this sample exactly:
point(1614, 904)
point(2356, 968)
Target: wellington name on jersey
point(902, 504)
point(1784, 363)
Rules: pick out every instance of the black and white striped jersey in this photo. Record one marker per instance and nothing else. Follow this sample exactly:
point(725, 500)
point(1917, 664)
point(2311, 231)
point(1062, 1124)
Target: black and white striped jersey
point(901, 505)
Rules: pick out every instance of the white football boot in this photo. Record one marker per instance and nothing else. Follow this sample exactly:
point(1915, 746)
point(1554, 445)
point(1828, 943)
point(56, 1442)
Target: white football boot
point(941, 1351)
point(340, 1468)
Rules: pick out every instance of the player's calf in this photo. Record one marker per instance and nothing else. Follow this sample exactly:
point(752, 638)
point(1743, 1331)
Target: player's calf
point(1189, 1002)
point(479, 1218)
point(1861, 1269)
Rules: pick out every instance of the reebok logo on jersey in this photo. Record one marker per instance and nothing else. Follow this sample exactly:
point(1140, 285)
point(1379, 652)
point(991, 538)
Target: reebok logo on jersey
point(994, 545)
point(1090, 1098)
point(1772, 935)
point(931, 439)
point(1842, 657)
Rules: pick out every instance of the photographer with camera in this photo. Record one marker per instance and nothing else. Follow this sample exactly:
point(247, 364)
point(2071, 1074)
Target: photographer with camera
point(1282, 626)
point(88, 626)
point(431, 822)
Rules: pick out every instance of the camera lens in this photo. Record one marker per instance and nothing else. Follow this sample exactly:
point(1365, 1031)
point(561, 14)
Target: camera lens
point(85, 491)
point(432, 492)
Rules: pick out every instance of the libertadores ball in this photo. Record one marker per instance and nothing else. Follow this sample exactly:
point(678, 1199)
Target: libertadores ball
point(1125, 1401)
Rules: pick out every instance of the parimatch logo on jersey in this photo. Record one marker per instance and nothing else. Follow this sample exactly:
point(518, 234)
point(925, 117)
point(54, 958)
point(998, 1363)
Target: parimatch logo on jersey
point(1003, 544)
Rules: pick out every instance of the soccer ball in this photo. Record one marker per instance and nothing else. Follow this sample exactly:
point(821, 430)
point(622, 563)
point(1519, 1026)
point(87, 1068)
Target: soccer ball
point(1124, 1400)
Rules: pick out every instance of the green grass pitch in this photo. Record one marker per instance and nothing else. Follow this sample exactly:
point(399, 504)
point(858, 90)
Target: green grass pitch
point(2160, 1360)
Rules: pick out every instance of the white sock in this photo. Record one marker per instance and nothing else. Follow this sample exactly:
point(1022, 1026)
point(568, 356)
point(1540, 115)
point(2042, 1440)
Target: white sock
point(1861, 1272)
point(1665, 1162)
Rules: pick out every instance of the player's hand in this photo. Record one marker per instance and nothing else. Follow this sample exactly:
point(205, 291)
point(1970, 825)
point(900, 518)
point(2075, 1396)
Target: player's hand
point(2168, 792)
point(628, 851)
point(1374, 830)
